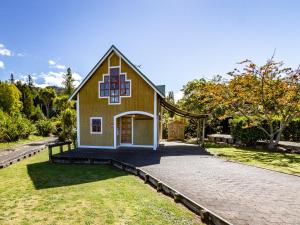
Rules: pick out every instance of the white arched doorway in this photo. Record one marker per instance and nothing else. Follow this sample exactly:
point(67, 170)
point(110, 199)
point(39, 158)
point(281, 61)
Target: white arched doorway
point(132, 114)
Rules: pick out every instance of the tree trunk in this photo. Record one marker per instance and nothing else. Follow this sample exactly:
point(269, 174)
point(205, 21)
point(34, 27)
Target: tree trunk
point(272, 145)
point(47, 110)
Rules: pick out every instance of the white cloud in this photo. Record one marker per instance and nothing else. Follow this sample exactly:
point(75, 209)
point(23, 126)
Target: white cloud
point(2, 65)
point(20, 54)
point(4, 51)
point(56, 79)
point(77, 79)
point(178, 95)
point(61, 67)
point(53, 64)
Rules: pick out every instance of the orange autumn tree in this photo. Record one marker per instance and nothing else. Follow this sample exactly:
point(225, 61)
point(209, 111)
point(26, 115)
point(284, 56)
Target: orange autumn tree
point(264, 94)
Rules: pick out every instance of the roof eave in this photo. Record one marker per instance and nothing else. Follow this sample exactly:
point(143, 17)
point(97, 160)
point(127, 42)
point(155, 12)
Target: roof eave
point(119, 53)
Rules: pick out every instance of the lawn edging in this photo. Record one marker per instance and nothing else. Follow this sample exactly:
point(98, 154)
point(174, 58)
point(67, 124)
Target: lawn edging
point(206, 215)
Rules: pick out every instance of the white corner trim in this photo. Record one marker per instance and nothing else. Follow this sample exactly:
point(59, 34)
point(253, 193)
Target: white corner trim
point(155, 122)
point(96, 147)
point(115, 132)
point(78, 119)
point(91, 128)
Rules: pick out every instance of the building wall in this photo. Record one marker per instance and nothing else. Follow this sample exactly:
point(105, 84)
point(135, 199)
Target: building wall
point(142, 99)
point(143, 131)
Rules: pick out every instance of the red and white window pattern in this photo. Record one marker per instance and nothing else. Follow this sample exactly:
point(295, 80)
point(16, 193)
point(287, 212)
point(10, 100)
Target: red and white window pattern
point(114, 86)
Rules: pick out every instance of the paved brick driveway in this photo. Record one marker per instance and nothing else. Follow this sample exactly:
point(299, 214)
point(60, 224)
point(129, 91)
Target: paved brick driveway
point(240, 194)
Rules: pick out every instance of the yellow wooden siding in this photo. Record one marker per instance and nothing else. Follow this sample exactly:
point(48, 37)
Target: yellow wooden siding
point(142, 99)
point(143, 131)
point(114, 60)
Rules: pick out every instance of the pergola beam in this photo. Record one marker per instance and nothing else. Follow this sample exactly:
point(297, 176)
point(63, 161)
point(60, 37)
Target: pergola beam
point(198, 117)
point(181, 112)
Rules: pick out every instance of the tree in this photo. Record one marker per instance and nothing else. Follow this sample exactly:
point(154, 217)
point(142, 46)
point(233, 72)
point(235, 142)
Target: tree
point(203, 97)
point(26, 98)
point(170, 98)
point(69, 82)
point(264, 94)
point(68, 121)
point(12, 79)
point(30, 82)
point(10, 98)
point(47, 95)
point(61, 103)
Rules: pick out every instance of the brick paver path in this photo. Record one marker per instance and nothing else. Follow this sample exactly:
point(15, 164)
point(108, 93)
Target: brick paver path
point(6, 155)
point(239, 193)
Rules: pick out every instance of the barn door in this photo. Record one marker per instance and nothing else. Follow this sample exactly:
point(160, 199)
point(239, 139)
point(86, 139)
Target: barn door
point(126, 130)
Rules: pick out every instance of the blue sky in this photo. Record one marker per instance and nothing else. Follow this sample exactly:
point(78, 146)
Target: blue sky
point(174, 41)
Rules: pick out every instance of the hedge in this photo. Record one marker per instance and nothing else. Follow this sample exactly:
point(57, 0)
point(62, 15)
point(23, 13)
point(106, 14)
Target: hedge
point(292, 131)
point(242, 132)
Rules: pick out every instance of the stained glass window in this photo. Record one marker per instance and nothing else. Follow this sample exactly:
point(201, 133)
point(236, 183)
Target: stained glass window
point(114, 85)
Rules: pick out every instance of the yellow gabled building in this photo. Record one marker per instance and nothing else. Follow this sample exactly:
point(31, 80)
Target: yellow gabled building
point(117, 105)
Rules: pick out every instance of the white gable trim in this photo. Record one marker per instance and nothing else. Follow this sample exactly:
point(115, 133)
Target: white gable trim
point(113, 49)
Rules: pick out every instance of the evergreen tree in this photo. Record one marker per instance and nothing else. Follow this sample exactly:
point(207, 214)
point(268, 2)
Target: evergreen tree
point(69, 82)
point(30, 81)
point(12, 80)
point(27, 97)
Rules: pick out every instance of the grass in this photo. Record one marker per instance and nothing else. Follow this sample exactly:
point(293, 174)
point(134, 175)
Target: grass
point(31, 138)
point(36, 192)
point(282, 162)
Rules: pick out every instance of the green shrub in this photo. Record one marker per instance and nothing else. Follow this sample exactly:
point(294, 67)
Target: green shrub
point(37, 114)
point(247, 135)
point(57, 126)
point(14, 127)
point(292, 131)
point(25, 127)
point(68, 124)
point(44, 127)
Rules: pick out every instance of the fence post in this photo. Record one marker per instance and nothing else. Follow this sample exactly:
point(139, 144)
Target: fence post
point(69, 146)
point(61, 148)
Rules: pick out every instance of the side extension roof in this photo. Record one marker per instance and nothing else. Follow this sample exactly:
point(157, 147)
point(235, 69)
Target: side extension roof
point(115, 50)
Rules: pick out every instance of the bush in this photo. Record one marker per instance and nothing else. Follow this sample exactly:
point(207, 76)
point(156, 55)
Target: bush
point(68, 124)
point(37, 114)
point(57, 126)
point(14, 127)
point(44, 127)
point(292, 131)
point(247, 135)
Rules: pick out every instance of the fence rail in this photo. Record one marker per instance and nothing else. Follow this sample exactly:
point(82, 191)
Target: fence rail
point(61, 148)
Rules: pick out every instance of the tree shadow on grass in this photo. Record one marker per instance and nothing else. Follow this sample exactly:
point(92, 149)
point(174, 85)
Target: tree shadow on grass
point(45, 175)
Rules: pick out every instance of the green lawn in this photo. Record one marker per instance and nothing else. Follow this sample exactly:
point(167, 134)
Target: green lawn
point(36, 192)
point(288, 163)
point(22, 141)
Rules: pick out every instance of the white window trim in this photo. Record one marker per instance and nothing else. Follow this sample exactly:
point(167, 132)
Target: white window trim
point(107, 74)
point(91, 128)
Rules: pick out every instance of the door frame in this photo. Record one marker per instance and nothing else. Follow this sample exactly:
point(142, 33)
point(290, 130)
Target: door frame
point(134, 113)
point(120, 141)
